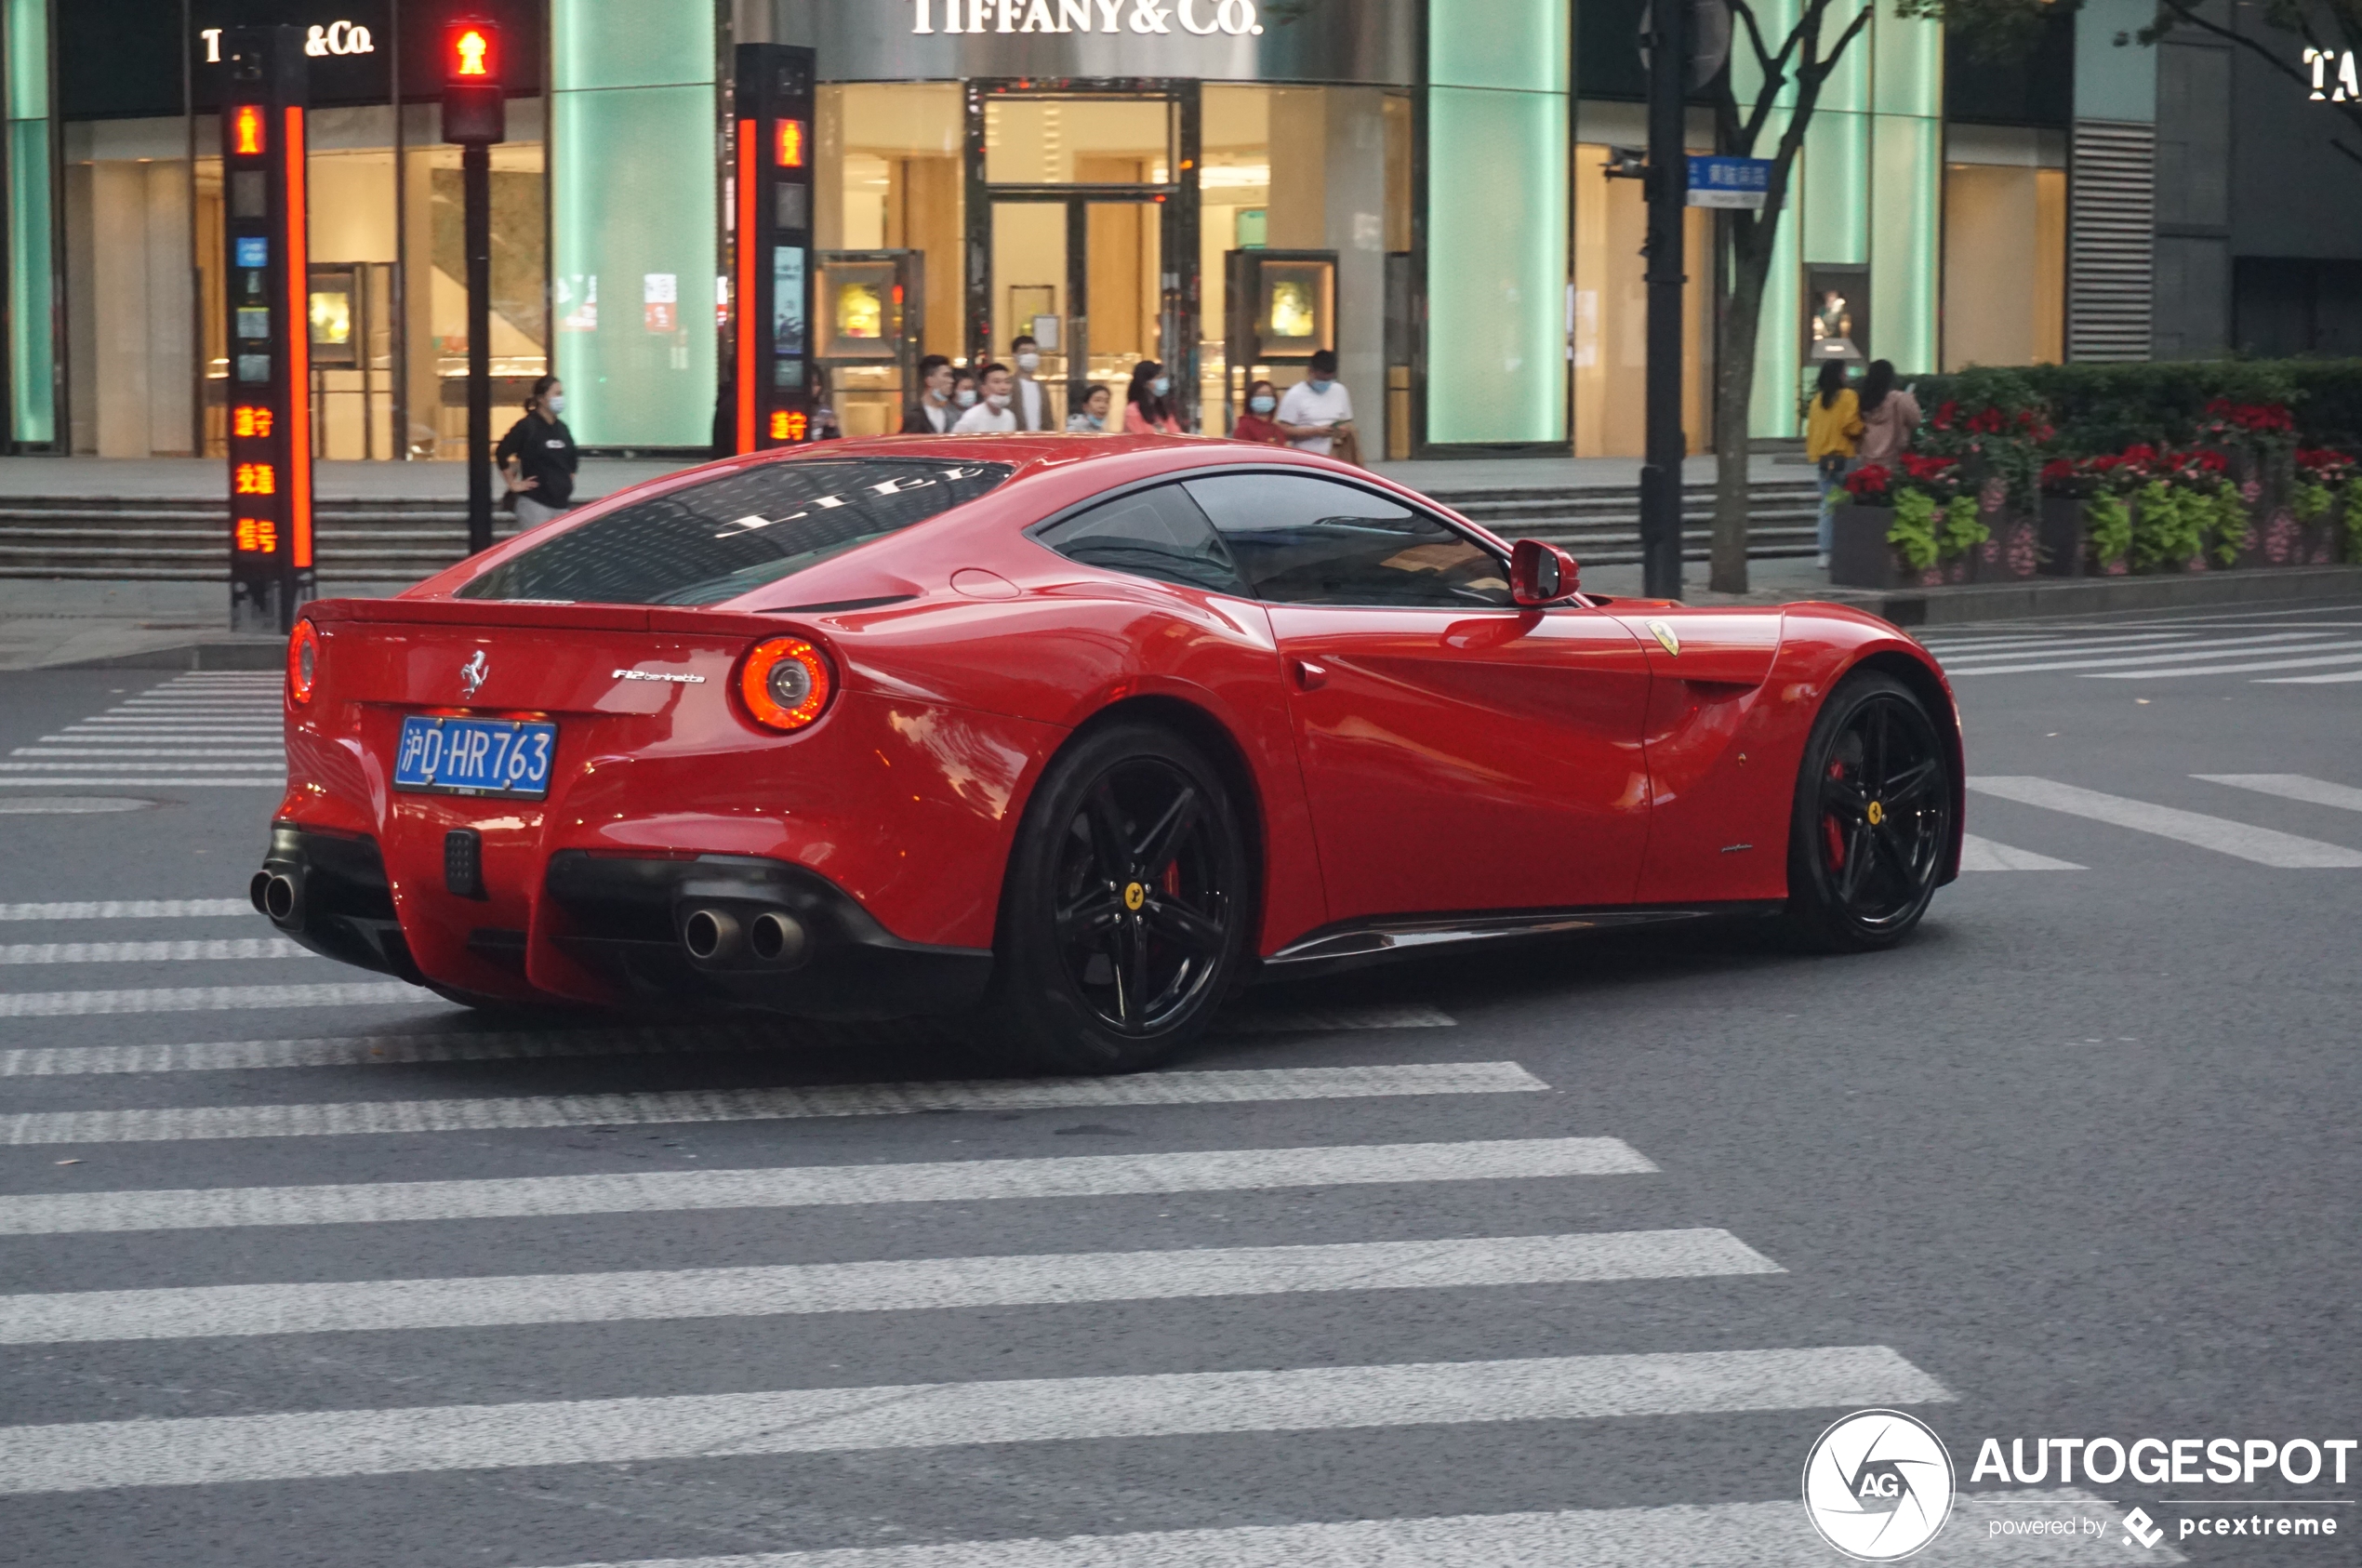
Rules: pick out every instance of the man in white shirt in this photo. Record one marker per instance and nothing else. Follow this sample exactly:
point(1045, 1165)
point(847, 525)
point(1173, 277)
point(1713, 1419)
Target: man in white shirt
point(1312, 410)
point(992, 413)
point(1031, 402)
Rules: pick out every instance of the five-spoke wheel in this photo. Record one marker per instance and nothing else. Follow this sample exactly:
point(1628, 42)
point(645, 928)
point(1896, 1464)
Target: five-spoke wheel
point(1872, 816)
point(1124, 914)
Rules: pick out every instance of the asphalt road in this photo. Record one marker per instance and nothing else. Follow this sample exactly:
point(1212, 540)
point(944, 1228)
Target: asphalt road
point(1562, 1256)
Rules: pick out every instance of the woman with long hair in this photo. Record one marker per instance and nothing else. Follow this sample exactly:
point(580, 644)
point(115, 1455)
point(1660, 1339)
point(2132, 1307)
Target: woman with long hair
point(1889, 415)
point(1256, 423)
point(1147, 406)
point(1831, 424)
point(536, 458)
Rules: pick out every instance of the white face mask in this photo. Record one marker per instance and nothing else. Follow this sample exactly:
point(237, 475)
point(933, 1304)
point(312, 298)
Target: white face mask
point(996, 401)
point(1029, 362)
point(555, 403)
point(1262, 404)
point(1162, 385)
point(1321, 384)
point(966, 397)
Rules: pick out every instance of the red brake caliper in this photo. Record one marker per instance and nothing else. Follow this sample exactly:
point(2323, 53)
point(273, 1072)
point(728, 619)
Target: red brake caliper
point(1829, 830)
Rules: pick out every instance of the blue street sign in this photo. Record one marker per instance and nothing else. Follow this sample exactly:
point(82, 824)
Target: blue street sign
point(1719, 181)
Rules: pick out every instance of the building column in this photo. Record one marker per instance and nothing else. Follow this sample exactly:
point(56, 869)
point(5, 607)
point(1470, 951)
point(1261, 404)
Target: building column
point(2112, 187)
point(30, 152)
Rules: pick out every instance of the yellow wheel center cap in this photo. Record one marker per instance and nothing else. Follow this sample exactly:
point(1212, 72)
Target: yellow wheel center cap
point(1877, 814)
point(1134, 897)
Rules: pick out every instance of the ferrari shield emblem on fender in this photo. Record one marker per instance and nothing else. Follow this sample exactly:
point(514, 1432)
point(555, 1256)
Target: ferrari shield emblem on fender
point(1665, 635)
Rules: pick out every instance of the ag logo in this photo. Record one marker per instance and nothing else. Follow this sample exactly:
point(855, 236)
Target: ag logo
point(1877, 1486)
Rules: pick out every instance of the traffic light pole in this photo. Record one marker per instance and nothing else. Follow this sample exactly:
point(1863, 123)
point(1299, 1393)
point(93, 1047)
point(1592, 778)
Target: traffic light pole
point(476, 177)
point(1668, 195)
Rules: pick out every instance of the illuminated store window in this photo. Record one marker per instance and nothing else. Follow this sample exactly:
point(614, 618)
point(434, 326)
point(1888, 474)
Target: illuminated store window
point(888, 177)
point(1611, 309)
point(2004, 265)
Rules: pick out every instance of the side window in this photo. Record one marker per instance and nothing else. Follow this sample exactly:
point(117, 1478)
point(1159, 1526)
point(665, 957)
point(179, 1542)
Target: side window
point(1302, 540)
point(1157, 533)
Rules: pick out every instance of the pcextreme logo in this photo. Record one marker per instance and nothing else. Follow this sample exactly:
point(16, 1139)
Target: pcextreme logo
point(1877, 1486)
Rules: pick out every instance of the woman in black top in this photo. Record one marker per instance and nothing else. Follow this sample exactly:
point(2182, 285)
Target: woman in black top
point(538, 457)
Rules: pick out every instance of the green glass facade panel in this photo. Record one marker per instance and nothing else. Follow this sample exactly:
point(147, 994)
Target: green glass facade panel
point(1907, 56)
point(634, 263)
point(1775, 17)
point(629, 44)
point(1906, 240)
point(1835, 208)
point(32, 353)
point(1496, 266)
point(1848, 88)
point(1517, 44)
point(1778, 350)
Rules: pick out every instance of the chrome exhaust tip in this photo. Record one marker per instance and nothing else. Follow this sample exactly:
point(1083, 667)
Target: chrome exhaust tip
point(777, 939)
point(256, 887)
point(277, 897)
point(710, 936)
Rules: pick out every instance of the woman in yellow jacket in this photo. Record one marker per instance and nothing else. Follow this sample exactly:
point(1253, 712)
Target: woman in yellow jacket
point(1831, 425)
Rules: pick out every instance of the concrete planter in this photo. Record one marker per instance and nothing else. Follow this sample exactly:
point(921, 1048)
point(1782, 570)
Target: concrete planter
point(1859, 555)
point(2059, 537)
point(2014, 553)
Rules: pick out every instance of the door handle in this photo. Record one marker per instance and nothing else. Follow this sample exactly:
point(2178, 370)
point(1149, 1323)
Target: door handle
point(1308, 675)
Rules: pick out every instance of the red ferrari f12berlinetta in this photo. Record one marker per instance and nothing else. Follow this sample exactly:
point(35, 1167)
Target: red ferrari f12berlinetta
point(1070, 736)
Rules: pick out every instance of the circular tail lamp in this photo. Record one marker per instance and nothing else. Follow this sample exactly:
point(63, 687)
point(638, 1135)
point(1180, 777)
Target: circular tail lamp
point(785, 684)
point(303, 661)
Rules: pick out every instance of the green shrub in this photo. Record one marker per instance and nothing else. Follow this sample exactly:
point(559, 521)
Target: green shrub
point(2171, 525)
point(2229, 520)
point(1913, 530)
point(2107, 525)
point(2107, 407)
point(1963, 529)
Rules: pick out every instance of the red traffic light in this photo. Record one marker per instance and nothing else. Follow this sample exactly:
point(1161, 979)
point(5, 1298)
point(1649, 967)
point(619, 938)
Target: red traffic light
point(471, 53)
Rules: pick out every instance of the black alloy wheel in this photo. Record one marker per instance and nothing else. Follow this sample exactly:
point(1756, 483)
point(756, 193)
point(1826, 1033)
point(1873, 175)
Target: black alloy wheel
point(1124, 919)
point(1872, 816)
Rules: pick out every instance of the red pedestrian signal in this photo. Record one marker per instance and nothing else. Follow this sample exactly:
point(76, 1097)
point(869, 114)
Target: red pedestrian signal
point(472, 52)
point(790, 144)
point(474, 105)
point(246, 131)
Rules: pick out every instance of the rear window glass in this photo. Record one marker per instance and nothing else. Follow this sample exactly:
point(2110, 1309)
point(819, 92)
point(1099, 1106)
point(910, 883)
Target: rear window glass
point(705, 543)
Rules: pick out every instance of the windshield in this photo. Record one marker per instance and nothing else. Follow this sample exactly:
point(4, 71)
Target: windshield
point(705, 543)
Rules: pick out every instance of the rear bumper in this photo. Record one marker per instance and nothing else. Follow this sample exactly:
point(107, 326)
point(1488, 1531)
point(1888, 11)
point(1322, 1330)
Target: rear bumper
point(624, 918)
point(610, 928)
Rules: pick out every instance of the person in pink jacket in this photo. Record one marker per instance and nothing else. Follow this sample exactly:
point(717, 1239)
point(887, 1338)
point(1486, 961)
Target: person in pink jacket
point(1147, 406)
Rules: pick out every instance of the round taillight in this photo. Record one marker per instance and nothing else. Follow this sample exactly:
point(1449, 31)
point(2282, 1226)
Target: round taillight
point(785, 683)
point(303, 661)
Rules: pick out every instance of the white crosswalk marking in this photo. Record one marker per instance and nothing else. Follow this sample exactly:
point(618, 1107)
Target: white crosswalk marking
point(176, 753)
point(2291, 786)
point(2239, 668)
point(794, 1187)
point(2342, 677)
point(126, 908)
point(277, 771)
point(1243, 1086)
point(212, 998)
point(2295, 642)
point(78, 1456)
point(214, 949)
point(2261, 845)
point(1760, 1535)
point(1984, 855)
point(212, 735)
point(893, 1285)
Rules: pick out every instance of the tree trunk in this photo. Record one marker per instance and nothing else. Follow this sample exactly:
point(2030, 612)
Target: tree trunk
point(1733, 386)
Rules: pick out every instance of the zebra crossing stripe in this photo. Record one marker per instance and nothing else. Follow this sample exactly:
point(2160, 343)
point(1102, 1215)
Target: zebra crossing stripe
point(126, 908)
point(128, 764)
point(207, 948)
point(2291, 786)
point(1076, 1176)
point(209, 999)
point(1215, 1087)
point(2304, 643)
point(143, 782)
point(2261, 845)
point(79, 1456)
point(2241, 668)
point(889, 1285)
point(176, 753)
point(2341, 677)
point(385, 1050)
point(1983, 854)
point(1674, 1536)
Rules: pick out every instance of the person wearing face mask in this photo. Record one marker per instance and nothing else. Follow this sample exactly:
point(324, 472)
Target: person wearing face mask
point(932, 414)
point(993, 415)
point(1147, 410)
point(1317, 409)
point(963, 394)
point(1090, 400)
point(1256, 424)
point(536, 458)
point(1030, 399)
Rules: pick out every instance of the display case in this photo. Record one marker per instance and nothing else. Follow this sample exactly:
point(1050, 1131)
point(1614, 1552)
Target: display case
point(869, 309)
point(1282, 306)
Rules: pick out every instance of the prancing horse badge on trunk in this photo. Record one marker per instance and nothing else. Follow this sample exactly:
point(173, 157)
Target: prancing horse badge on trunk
point(473, 673)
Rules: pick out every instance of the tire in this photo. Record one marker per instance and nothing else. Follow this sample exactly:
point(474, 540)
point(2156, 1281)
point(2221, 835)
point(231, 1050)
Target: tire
point(1872, 819)
point(1125, 914)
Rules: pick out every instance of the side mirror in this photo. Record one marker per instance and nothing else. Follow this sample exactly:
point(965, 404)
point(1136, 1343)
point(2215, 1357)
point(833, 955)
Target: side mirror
point(1541, 574)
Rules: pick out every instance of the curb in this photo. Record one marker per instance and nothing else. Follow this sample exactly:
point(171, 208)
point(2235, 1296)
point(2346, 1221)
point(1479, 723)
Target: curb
point(2069, 596)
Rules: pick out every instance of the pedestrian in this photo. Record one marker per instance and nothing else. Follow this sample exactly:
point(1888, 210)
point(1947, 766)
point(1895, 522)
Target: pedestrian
point(538, 457)
point(1831, 424)
point(1317, 410)
point(1890, 415)
point(963, 394)
point(1256, 423)
point(1031, 399)
point(1090, 400)
point(1145, 408)
point(932, 414)
point(825, 426)
point(992, 416)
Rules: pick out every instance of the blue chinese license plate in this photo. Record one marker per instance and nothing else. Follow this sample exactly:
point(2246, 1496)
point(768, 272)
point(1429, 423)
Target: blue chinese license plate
point(475, 756)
